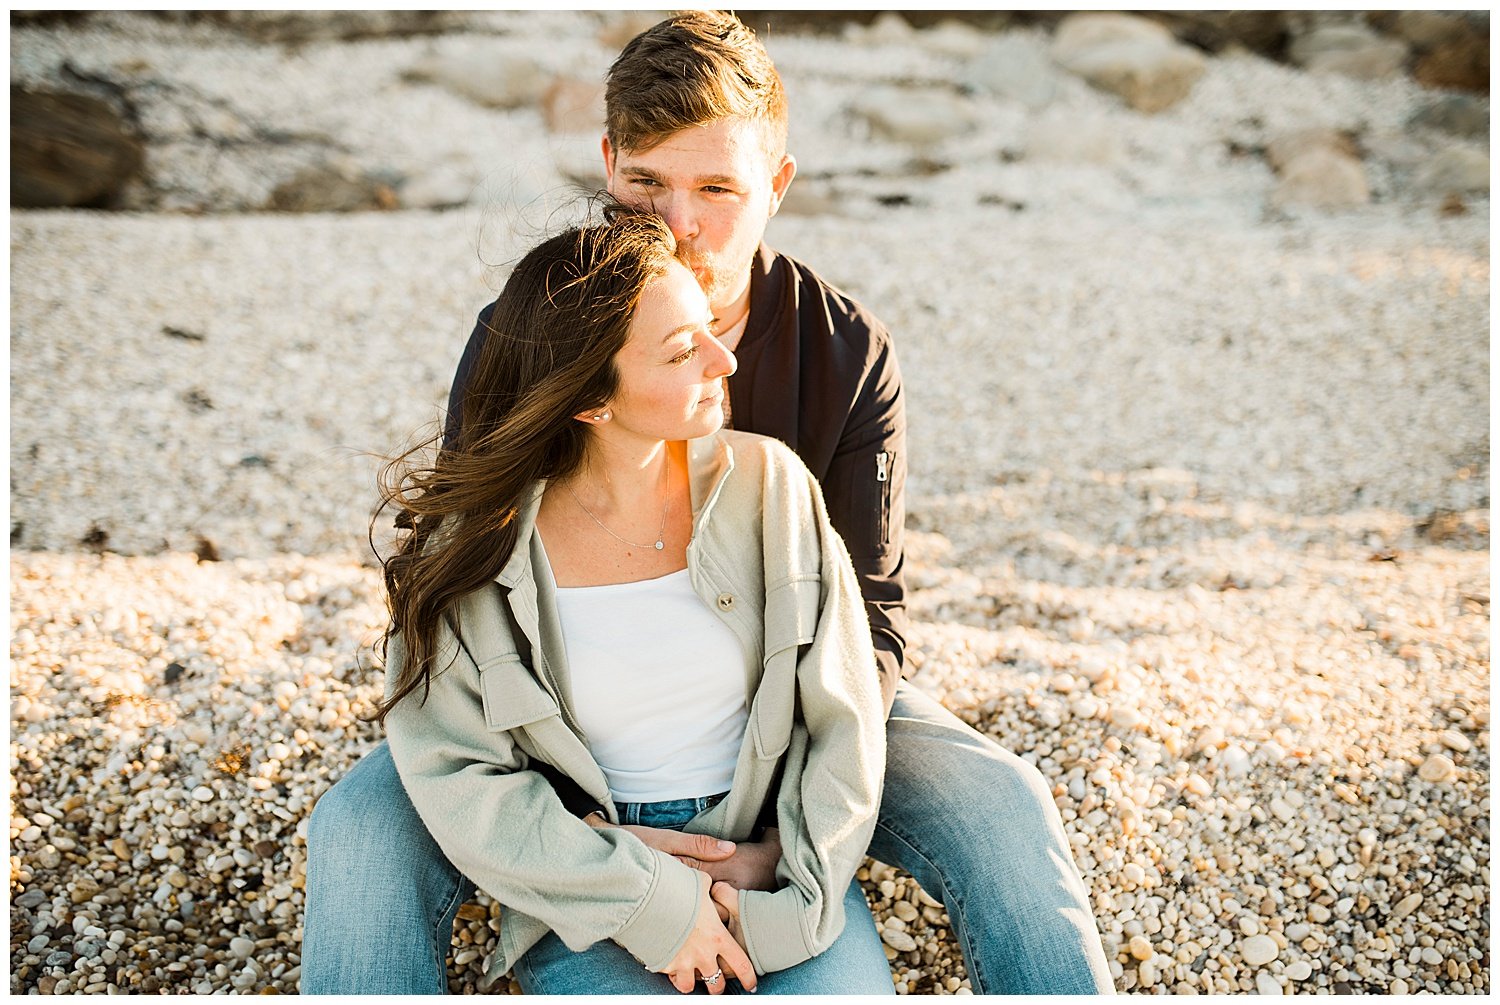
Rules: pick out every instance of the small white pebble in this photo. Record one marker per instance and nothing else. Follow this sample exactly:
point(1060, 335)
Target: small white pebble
point(1258, 950)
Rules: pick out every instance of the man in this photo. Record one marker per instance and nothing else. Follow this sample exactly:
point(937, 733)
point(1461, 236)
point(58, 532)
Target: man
point(696, 129)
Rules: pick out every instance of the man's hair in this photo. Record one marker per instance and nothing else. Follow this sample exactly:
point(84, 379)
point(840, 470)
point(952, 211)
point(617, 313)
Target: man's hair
point(693, 69)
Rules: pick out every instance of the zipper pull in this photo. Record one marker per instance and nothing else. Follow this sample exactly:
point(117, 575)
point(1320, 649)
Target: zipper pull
point(882, 459)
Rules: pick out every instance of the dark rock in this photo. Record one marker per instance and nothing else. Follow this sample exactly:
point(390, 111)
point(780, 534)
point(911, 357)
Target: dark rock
point(173, 672)
point(1462, 64)
point(181, 333)
point(206, 550)
point(68, 150)
point(96, 540)
point(32, 899)
point(58, 958)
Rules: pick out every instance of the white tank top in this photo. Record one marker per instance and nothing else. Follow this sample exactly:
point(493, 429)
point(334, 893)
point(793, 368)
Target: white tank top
point(658, 686)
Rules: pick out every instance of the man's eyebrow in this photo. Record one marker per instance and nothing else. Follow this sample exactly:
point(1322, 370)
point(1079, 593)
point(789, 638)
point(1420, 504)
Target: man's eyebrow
point(708, 179)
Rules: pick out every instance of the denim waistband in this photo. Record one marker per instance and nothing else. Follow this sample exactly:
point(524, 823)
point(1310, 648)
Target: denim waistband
point(669, 813)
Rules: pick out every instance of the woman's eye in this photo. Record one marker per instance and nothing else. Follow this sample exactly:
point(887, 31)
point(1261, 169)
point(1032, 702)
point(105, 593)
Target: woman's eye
point(685, 356)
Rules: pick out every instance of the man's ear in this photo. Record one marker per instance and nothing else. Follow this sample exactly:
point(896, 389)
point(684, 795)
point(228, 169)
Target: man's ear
point(782, 180)
point(609, 159)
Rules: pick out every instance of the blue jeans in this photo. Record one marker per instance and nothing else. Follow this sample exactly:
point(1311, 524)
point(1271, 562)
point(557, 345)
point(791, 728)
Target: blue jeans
point(854, 964)
point(973, 823)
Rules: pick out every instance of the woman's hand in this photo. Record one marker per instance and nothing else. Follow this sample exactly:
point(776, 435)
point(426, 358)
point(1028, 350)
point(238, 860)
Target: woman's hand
point(727, 901)
point(710, 950)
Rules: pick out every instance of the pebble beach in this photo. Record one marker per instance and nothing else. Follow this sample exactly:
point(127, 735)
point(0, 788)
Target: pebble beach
point(1198, 495)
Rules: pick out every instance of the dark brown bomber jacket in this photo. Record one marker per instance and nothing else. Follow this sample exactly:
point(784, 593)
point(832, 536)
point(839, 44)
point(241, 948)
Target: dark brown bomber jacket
point(818, 372)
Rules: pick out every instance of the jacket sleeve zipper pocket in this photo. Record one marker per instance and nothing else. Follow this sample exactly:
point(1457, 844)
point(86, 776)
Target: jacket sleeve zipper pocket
point(883, 476)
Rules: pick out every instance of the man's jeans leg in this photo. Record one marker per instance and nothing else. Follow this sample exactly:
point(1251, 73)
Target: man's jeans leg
point(381, 896)
point(977, 827)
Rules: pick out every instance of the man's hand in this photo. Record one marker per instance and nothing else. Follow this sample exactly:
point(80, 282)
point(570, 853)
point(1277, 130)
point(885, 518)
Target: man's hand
point(695, 850)
point(749, 865)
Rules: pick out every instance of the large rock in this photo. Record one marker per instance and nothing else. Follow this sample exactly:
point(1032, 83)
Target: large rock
point(1287, 147)
point(298, 26)
point(1011, 67)
point(1425, 29)
point(917, 116)
point(1322, 178)
point(953, 39)
point(574, 105)
point(1350, 49)
point(68, 150)
point(1459, 114)
point(335, 187)
point(1460, 64)
point(1261, 31)
point(1130, 56)
point(485, 78)
point(1457, 169)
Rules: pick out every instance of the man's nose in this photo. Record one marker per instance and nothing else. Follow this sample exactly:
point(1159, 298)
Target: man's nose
point(677, 211)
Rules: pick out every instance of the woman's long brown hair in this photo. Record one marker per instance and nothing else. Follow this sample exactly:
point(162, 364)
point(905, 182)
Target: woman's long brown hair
point(549, 354)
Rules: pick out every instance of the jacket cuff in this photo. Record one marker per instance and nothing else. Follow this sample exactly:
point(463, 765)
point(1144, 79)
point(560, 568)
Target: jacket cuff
point(772, 925)
point(662, 923)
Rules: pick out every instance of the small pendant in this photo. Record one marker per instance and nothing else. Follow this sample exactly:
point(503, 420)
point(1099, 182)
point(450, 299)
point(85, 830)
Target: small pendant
point(659, 545)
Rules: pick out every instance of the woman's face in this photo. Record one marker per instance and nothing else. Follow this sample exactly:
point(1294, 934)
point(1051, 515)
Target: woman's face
point(672, 367)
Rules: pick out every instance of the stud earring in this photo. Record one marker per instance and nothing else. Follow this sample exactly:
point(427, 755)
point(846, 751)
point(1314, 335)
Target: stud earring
point(601, 416)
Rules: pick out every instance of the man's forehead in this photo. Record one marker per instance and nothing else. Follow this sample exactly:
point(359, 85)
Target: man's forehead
point(724, 149)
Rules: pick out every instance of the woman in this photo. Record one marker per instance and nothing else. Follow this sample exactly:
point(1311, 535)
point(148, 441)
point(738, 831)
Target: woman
point(604, 598)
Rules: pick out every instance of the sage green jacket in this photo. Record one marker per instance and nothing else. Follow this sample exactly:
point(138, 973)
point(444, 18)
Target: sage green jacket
point(765, 558)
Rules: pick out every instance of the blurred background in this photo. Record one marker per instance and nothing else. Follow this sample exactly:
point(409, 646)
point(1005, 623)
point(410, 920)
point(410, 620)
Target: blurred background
point(1193, 314)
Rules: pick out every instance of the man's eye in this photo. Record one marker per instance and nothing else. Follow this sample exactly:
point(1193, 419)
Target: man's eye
point(645, 181)
point(715, 189)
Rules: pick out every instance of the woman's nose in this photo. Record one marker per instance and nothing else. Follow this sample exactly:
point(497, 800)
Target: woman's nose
point(720, 362)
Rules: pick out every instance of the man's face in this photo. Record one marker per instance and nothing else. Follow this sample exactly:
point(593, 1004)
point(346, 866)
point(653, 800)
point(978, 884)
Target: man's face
point(716, 187)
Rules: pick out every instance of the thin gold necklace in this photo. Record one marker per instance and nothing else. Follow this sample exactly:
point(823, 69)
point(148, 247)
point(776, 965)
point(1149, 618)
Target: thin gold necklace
point(660, 532)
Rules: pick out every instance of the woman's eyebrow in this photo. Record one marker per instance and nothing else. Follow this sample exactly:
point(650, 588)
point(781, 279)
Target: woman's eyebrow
point(690, 326)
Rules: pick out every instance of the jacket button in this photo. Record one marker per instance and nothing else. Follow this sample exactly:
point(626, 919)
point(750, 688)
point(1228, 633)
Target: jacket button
point(726, 601)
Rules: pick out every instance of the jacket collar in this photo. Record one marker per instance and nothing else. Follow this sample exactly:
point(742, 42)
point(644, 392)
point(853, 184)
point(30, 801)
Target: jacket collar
point(710, 459)
point(765, 295)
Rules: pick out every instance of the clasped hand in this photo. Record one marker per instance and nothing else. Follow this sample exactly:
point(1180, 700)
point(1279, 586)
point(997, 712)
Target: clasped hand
point(716, 942)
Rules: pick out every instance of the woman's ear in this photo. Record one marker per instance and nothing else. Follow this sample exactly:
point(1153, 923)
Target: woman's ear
point(594, 416)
